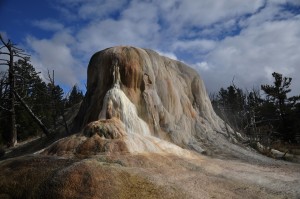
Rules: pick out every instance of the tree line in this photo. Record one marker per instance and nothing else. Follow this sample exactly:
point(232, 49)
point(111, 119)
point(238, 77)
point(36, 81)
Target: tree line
point(29, 106)
point(267, 114)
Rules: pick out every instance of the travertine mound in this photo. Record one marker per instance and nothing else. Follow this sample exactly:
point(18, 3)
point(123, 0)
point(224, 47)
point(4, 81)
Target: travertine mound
point(148, 103)
point(155, 97)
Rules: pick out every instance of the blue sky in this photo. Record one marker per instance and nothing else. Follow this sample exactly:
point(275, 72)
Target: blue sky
point(242, 39)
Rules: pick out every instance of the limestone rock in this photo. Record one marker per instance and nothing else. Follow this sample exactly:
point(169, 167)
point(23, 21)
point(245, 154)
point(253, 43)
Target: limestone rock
point(153, 96)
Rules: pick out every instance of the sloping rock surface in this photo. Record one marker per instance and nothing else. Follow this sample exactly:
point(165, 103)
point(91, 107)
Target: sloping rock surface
point(144, 176)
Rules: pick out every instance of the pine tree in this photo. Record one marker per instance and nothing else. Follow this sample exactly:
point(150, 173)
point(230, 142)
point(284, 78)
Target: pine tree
point(280, 107)
point(57, 103)
point(230, 104)
point(277, 93)
point(33, 91)
point(75, 96)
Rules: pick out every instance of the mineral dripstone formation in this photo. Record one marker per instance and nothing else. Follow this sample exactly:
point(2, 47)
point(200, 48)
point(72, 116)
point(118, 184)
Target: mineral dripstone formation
point(156, 98)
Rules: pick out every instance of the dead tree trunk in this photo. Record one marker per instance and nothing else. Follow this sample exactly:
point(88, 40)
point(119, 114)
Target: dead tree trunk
point(11, 52)
point(12, 103)
point(36, 119)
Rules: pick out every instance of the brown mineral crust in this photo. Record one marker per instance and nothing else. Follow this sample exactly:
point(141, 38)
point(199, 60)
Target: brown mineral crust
point(111, 128)
point(96, 145)
point(103, 136)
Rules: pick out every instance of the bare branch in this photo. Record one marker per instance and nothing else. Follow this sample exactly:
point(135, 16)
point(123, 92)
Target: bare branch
point(4, 53)
point(17, 51)
point(24, 54)
point(25, 58)
point(6, 44)
point(16, 48)
point(1, 39)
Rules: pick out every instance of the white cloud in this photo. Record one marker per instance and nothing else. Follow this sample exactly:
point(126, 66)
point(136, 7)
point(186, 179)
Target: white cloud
point(198, 45)
point(48, 24)
point(141, 11)
point(89, 9)
point(246, 39)
point(181, 14)
point(107, 33)
point(167, 54)
point(52, 55)
point(130, 29)
point(219, 28)
point(203, 66)
point(99, 9)
point(257, 52)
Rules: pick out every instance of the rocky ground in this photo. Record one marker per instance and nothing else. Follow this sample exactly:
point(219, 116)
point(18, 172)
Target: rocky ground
point(146, 176)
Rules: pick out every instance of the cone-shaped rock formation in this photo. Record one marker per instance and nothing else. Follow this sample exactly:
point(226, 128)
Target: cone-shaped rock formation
point(159, 101)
